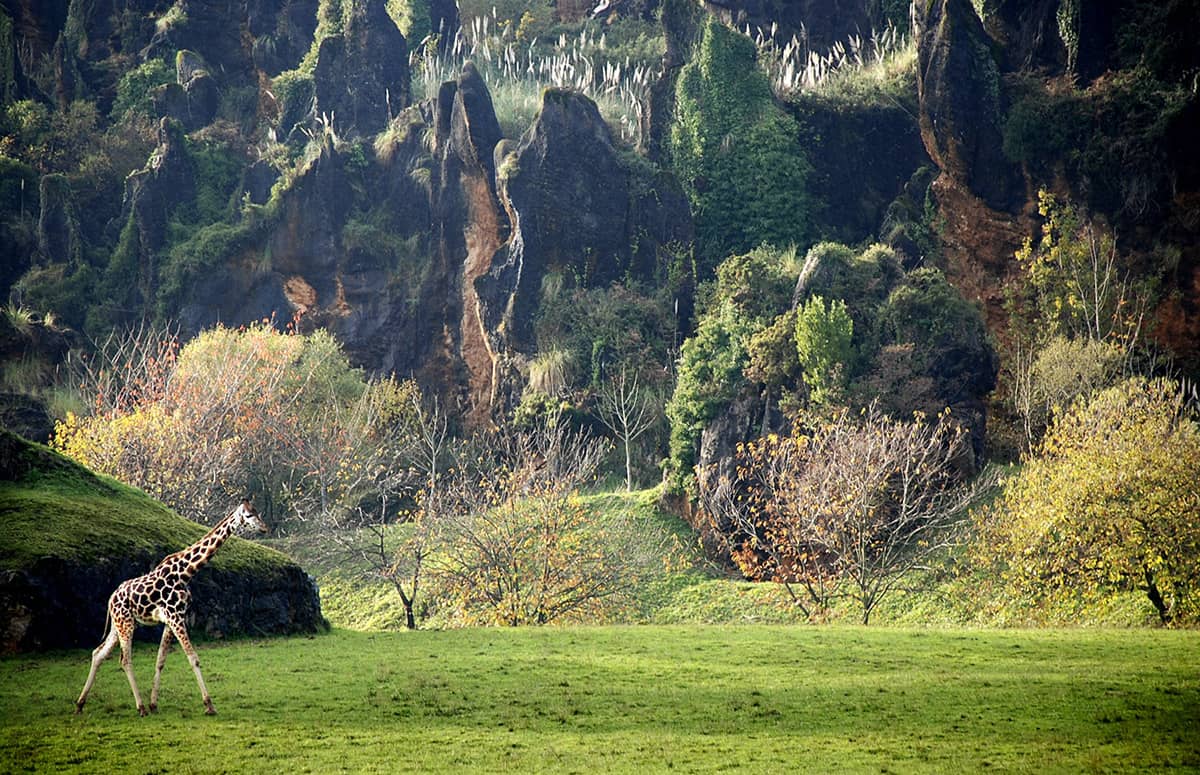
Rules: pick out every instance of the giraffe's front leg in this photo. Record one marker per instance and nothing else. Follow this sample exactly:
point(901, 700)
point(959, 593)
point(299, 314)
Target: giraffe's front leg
point(163, 648)
point(125, 635)
point(180, 631)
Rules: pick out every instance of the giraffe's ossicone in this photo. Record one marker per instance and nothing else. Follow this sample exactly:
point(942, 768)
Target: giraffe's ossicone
point(161, 597)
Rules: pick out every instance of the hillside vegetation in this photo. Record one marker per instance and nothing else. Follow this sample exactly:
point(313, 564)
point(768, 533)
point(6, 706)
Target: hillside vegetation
point(895, 305)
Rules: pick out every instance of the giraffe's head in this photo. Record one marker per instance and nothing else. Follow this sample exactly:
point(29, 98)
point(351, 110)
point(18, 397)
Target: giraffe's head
point(245, 519)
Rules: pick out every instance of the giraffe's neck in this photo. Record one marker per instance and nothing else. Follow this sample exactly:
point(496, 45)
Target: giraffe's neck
point(195, 556)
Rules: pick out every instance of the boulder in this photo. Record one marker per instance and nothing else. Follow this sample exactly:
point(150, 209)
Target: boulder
point(203, 99)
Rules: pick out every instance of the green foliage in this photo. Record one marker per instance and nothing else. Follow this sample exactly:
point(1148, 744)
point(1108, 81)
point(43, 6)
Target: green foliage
point(217, 172)
point(412, 17)
point(8, 60)
point(824, 346)
point(1107, 503)
point(66, 291)
point(760, 283)
point(736, 153)
point(601, 330)
point(710, 372)
point(928, 311)
point(49, 140)
point(771, 353)
point(133, 90)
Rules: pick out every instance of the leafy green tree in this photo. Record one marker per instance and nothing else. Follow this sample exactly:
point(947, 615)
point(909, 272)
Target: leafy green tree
point(823, 342)
point(1108, 502)
point(737, 154)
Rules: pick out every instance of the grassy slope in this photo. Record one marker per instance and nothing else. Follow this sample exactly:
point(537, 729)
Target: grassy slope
point(52, 507)
point(695, 698)
point(690, 590)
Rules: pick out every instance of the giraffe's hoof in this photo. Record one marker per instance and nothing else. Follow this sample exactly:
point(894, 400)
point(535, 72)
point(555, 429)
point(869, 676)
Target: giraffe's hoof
point(78, 710)
point(154, 707)
point(209, 710)
point(141, 710)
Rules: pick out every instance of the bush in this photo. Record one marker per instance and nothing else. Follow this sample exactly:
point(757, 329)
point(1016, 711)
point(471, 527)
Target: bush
point(133, 90)
point(823, 344)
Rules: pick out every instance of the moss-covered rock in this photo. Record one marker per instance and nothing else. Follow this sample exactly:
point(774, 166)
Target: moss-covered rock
point(68, 537)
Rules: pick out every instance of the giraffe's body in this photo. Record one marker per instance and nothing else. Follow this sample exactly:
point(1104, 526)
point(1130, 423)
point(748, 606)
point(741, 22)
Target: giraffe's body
point(162, 596)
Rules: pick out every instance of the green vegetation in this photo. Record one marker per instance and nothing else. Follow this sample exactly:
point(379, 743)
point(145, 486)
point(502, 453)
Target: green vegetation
point(53, 508)
point(631, 700)
point(736, 153)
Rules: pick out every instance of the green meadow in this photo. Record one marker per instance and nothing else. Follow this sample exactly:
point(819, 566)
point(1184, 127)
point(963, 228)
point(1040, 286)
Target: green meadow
point(694, 698)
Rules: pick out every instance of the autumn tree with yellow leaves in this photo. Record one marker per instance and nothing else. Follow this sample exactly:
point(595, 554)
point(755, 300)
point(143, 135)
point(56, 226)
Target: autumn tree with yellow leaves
point(1108, 502)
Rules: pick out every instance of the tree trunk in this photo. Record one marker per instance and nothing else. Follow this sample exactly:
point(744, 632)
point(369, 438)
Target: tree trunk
point(1160, 605)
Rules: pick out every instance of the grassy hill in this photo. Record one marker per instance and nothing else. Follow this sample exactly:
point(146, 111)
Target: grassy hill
point(630, 699)
point(68, 537)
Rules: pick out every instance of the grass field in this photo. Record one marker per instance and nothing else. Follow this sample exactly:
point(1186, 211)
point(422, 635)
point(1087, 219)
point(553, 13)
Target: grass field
point(613, 699)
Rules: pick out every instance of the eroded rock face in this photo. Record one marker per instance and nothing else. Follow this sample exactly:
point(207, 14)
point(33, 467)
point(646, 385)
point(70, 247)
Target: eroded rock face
point(1028, 33)
point(959, 90)
point(569, 200)
point(361, 78)
point(58, 223)
point(151, 194)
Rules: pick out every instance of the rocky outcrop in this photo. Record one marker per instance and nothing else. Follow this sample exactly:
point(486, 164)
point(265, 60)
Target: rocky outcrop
point(361, 78)
point(961, 107)
point(151, 194)
point(282, 32)
point(59, 240)
point(575, 209)
point(1028, 34)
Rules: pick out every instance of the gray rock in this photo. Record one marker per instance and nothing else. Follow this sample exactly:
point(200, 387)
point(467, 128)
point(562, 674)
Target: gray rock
point(960, 97)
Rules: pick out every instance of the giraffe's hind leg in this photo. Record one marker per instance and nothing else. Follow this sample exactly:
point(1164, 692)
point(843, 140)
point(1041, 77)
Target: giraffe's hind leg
point(177, 627)
point(125, 636)
point(101, 653)
point(163, 648)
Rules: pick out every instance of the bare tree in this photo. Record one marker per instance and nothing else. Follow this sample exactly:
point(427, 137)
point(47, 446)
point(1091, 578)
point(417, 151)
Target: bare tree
point(628, 411)
point(860, 503)
point(519, 544)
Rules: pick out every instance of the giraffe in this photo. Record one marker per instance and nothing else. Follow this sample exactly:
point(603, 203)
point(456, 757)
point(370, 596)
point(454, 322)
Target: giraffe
point(161, 596)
